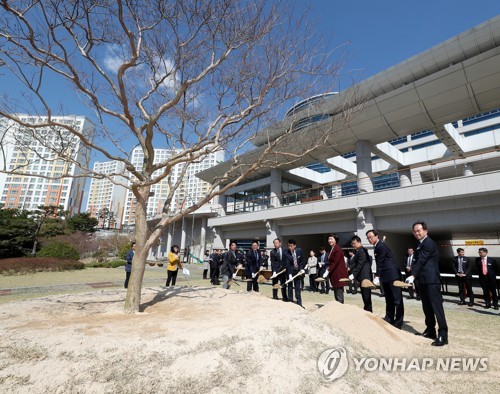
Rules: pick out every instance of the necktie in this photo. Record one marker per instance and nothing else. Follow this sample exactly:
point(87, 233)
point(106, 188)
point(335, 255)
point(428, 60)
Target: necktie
point(460, 265)
point(408, 264)
point(256, 257)
point(295, 265)
point(280, 254)
point(485, 268)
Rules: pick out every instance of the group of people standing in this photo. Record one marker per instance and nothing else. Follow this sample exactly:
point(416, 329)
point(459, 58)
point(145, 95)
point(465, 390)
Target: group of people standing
point(331, 272)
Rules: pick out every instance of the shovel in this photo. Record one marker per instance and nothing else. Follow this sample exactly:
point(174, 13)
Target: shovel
point(368, 284)
point(398, 283)
point(277, 286)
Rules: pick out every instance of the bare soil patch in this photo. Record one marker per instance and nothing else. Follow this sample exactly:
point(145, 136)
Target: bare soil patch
point(197, 340)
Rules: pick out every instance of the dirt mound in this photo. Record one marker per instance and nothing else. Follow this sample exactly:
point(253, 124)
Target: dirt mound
point(190, 340)
point(370, 331)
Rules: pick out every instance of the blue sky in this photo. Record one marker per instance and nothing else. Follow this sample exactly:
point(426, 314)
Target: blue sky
point(378, 34)
point(386, 32)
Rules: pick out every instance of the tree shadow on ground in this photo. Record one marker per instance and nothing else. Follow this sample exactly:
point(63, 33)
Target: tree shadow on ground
point(179, 291)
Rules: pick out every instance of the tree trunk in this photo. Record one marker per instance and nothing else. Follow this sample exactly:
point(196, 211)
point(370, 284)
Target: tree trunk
point(133, 300)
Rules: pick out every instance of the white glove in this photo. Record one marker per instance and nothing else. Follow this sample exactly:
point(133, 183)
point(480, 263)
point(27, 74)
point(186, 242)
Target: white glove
point(234, 275)
point(254, 275)
point(325, 274)
point(351, 277)
point(302, 272)
point(410, 279)
point(290, 278)
point(320, 265)
point(186, 272)
point(274, 275)
point(376, 281)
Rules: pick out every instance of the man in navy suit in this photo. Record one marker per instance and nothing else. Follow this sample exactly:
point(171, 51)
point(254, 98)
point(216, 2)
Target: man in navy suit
point(426, 271)
point(487, 269)
point(294, 262)
point(277, 265)
point(252, 266)
point(387, 273)
point(461, 267)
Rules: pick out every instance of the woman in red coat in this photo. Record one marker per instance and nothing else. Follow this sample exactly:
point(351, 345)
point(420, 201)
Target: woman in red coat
point(337, 268)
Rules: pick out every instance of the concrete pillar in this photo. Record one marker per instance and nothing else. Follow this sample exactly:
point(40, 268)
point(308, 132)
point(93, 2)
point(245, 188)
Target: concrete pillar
point(366, 221)
point(275, 188)
point(169, 237)
point(218, 238)
point(468, 169)
point(222, 205)
point(404, 177)
point(203, 237)
point(183, 235)
point(364, 166)
point(271, 233)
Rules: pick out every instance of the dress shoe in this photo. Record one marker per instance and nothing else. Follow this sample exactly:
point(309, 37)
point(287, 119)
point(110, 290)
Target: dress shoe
point(418, 298)
point(487, 306)
point(275, 298)
point(470, 304)
point(286, 300)
point(440, 341)
point(461, 303)
point(495, 307)
point(427, 334)
point(410, 297)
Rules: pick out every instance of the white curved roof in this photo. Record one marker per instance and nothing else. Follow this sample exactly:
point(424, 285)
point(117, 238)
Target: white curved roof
point(450, 81)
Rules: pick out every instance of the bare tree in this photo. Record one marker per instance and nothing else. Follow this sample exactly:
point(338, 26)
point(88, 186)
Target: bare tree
point(196, 76)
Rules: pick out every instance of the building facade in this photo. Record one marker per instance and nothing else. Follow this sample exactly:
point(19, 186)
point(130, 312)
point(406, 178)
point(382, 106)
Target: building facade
point(190, 190)
point(422, 143)
point(38, 173)
point(106, 196)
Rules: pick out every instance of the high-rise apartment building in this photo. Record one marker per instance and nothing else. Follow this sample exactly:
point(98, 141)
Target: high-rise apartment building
point(190, 190)
point(107, 195)
point(33, 166)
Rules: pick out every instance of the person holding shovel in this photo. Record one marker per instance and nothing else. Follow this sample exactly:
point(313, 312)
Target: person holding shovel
point(279, 270)
point(294, 262)
point(337, 269)
point(361, 270)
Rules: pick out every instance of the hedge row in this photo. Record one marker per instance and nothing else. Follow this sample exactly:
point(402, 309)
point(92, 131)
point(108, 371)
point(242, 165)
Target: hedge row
point(24, 265)
point(107, 264)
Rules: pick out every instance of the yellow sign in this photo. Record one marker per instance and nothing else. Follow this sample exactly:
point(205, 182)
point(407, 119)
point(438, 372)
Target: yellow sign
point(474, 242)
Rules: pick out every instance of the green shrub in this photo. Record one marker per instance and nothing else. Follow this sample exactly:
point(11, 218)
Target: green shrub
point(23, 265)
point(122, 252)
point(60, 250)
point(117, 263)
point(107, 264)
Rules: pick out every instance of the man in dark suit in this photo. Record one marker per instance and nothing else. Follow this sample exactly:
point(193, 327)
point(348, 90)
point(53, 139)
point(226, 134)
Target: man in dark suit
point(387, 273)
point(294, 262)
point(360, 270)
point(462, 268)
point(407, 268)
point(426, 271)
point(322, 268)
point(252, 267)
point(487, 269)
point(277, 265)
point(229, 264)
point(214, 268)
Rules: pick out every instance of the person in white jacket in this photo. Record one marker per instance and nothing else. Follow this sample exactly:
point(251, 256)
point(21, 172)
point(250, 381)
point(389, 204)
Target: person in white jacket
point(312, 264)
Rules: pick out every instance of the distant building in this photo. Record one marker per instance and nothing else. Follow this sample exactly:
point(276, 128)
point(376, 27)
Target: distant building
point(37, 175)
point(108, 194)
point(190, 190)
